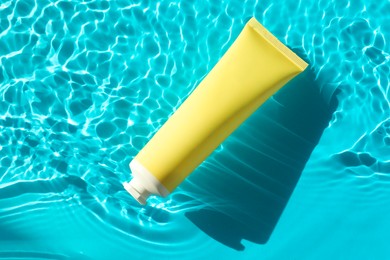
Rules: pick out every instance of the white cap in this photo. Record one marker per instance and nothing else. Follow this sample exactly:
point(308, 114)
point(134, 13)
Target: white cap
point(137, 190)
point(143, 184)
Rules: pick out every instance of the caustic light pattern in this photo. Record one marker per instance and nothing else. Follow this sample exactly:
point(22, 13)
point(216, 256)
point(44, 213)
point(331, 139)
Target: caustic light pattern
point(85, 84)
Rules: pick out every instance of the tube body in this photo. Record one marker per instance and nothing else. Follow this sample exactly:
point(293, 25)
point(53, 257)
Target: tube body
point(253, 69)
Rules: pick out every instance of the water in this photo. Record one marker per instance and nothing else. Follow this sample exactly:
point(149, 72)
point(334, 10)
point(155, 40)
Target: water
point(84, 85)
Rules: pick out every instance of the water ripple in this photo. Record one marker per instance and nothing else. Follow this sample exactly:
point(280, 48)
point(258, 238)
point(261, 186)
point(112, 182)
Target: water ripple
point(84, 85)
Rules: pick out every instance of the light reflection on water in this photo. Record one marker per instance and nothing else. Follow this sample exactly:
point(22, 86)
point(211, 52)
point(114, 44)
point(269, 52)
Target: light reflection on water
point(84, 85)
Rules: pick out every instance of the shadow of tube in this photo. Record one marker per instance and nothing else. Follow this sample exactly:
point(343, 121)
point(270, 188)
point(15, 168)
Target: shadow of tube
point(247, 186)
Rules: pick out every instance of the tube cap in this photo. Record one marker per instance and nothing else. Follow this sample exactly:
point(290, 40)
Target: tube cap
point(137, 190)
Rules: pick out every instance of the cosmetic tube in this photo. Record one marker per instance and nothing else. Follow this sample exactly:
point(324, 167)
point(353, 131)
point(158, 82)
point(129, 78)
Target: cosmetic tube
point(255, 66)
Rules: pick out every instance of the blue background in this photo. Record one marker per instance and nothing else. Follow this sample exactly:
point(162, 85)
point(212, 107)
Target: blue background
point(84, 85)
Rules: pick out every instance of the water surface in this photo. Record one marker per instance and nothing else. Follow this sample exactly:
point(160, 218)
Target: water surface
point(85, 84)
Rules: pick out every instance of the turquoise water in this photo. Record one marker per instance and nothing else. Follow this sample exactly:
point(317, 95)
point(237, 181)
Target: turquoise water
point(85, 84)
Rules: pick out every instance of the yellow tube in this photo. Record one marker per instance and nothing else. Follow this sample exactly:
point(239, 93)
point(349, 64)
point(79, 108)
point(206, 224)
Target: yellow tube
point(254, 68)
